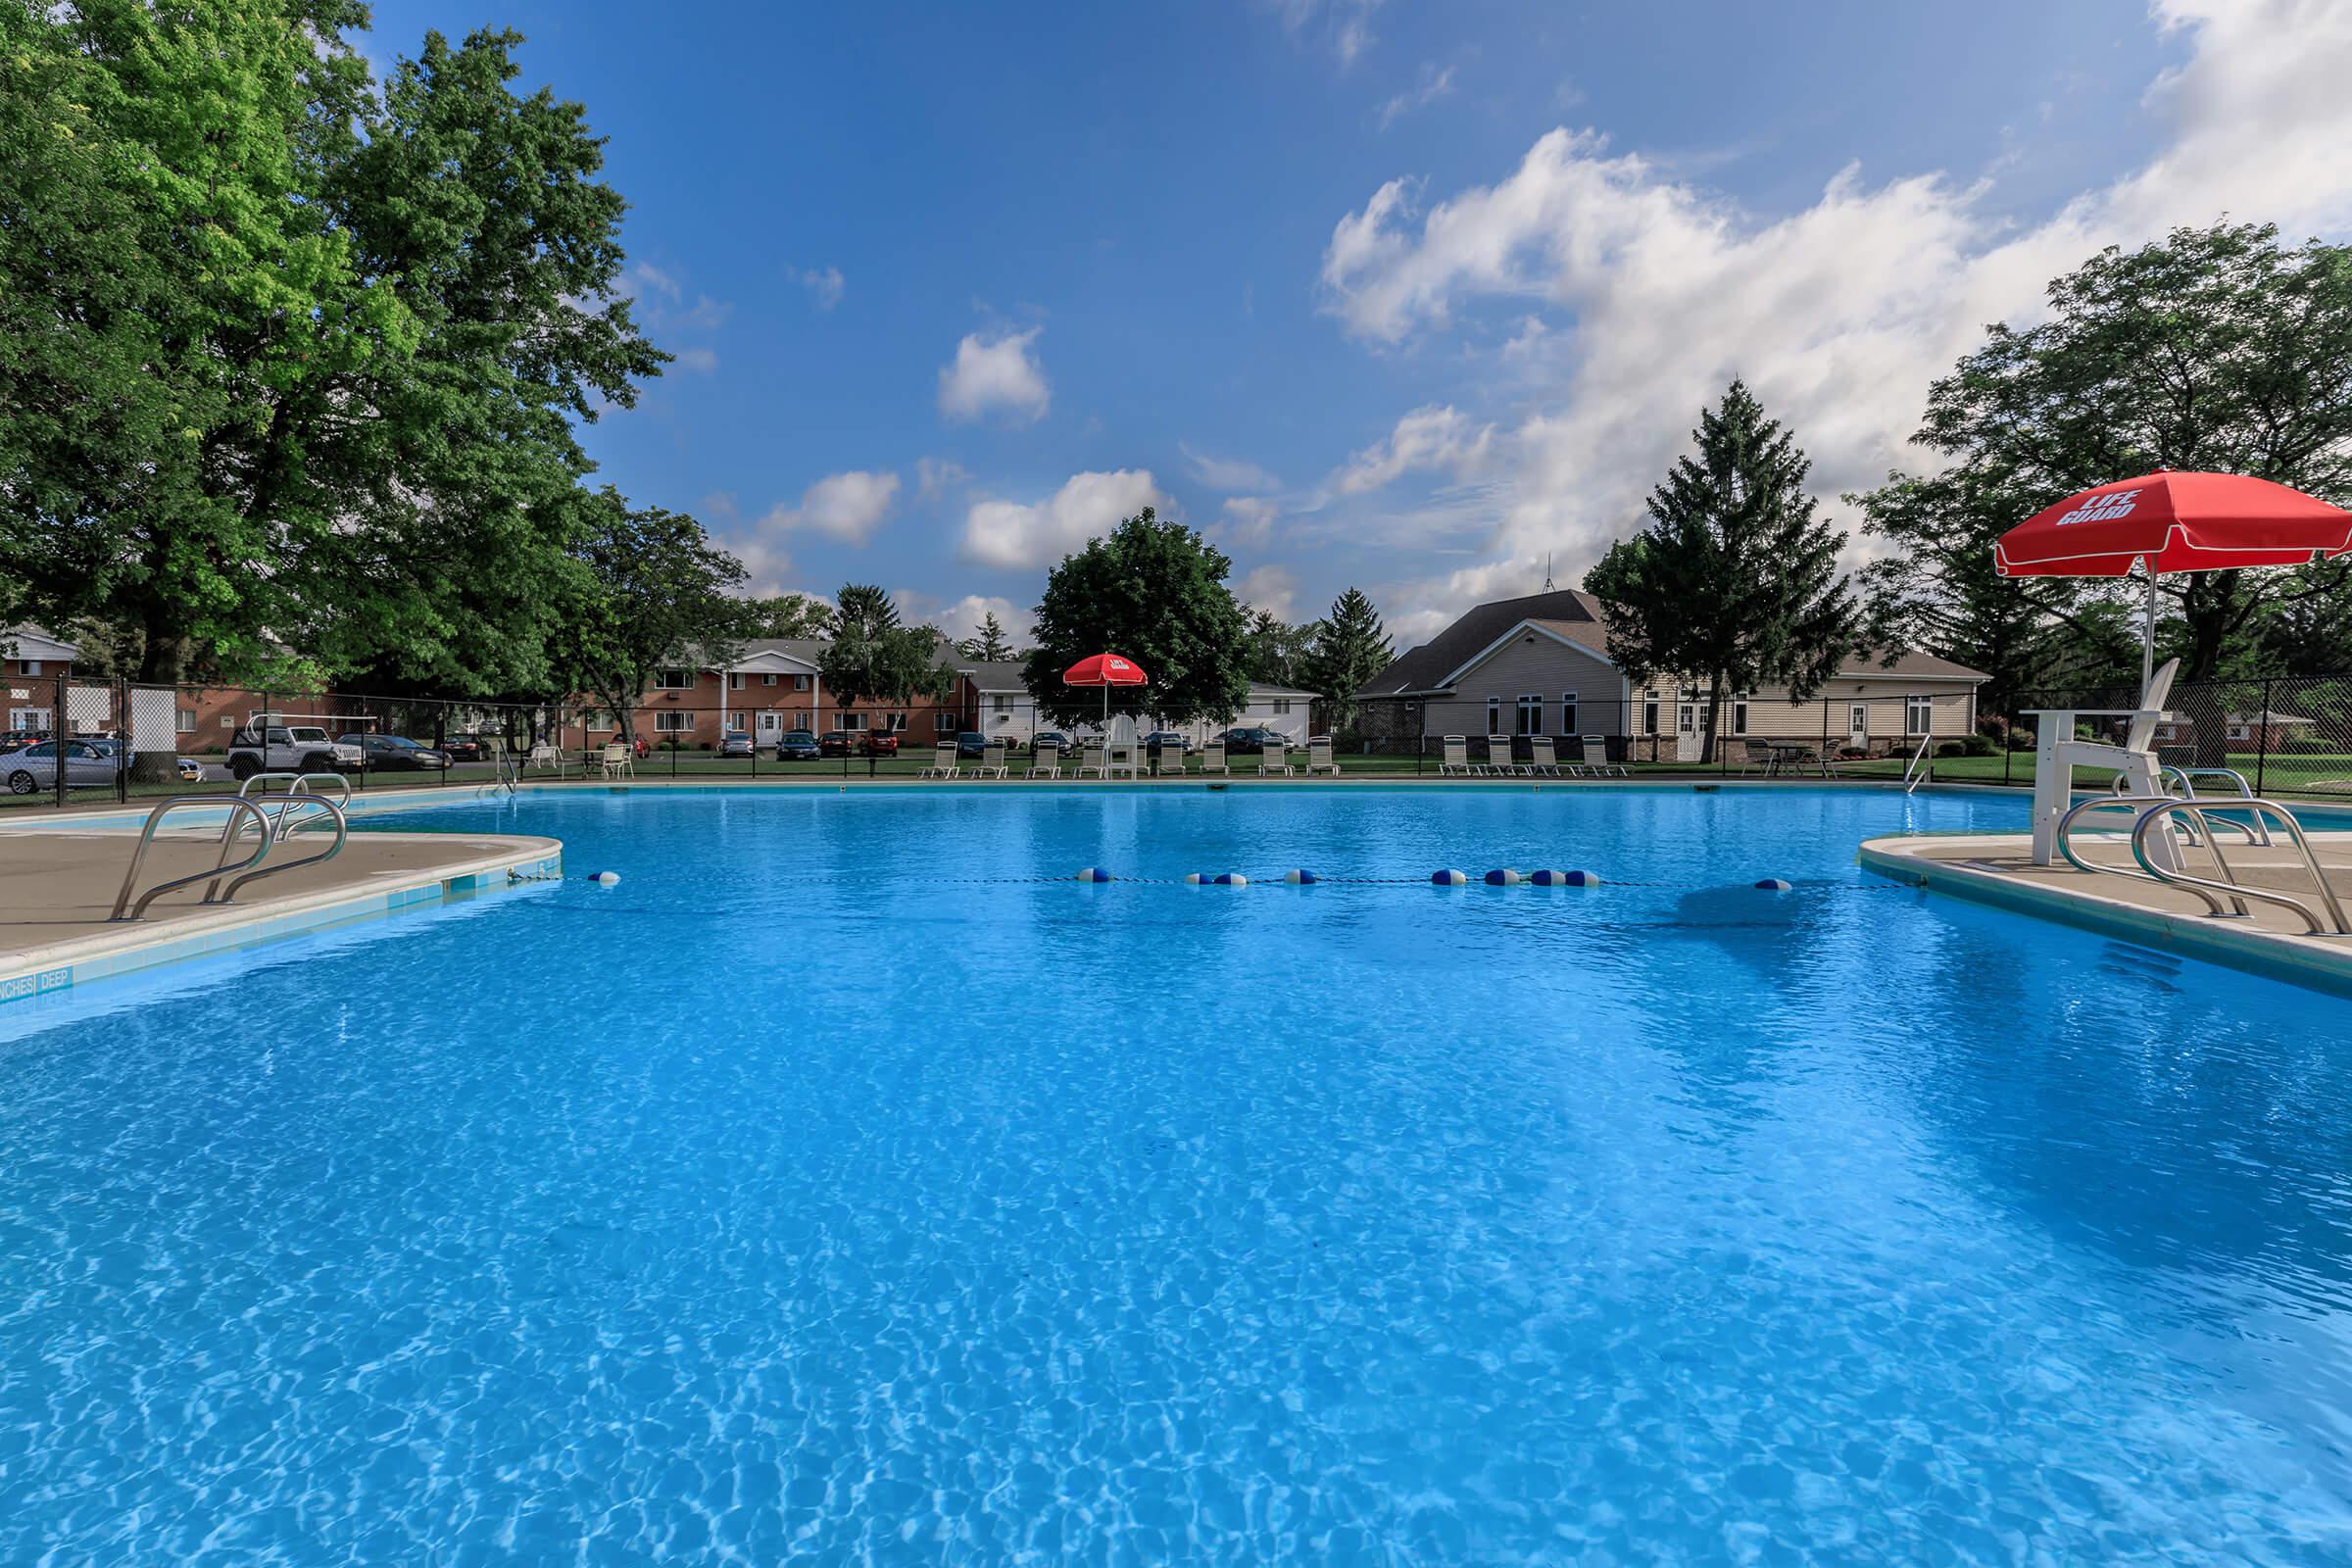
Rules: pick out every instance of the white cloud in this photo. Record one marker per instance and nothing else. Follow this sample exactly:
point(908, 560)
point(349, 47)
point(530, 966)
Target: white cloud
point(766, 566)
point(1440, 438)
point(934, 477)
point(1838, 315)
point(1249, 521)
point(824, 285)
point(1271, 588)
point(962, 618)
point(847, 506)
point(1343, 25)
point(1227, 474)
point(1006, 533)
point(652, 277)
point(1433, 86)
point(701, 361)
point(994, 374)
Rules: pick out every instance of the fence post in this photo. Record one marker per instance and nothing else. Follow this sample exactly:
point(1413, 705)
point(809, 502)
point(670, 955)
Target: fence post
point(2261, 736)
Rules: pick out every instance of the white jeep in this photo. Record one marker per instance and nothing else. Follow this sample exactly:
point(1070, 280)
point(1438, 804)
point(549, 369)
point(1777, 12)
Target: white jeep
point(276, 743)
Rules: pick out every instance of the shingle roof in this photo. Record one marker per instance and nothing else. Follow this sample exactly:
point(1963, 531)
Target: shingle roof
point(1866, 664)
point(993, 674)
point(1419, 669)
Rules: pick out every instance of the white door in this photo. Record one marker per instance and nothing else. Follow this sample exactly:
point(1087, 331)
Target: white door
point(1687, 740)
point(1857, 725)
point(768, 722)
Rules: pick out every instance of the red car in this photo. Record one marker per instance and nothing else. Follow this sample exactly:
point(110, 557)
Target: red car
point(869, 742)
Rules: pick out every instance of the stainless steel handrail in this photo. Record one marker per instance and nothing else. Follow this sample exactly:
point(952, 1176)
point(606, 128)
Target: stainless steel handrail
point(2135, 804)
point(254, 870)
point(220, 868)
point(298, 785)
point(1921, 761)
point(2238, 890)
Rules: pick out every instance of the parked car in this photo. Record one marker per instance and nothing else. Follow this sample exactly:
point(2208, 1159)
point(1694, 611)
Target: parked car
point(881, 743)
point(267, 743)
point(798, 746)
point(34, 768)
point(1053, 738)
point(1165, 740)
point(16, 740)
point(971, 743)
point(464, 748)
point(191, 771)
point(864, 741)
point(396, 753)
point(1254, 738)
point(735, 742)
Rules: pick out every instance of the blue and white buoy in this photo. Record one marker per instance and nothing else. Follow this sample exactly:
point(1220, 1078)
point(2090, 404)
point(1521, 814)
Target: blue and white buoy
point(1564, 879)
point(1774, 884)
point(1503, 876)
point(605, 879)
point(1448, 879)
point(1093, 873)
point(1231, 879)
point(1300, 878)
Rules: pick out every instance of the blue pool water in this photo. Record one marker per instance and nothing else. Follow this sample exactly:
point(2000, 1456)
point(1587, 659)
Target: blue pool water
point(789, 1202)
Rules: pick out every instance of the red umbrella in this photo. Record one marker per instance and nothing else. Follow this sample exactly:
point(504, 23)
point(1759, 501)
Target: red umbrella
point(2172, 522)
point(1104, 670)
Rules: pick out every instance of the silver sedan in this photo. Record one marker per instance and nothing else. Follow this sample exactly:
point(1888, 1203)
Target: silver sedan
point(34, 768)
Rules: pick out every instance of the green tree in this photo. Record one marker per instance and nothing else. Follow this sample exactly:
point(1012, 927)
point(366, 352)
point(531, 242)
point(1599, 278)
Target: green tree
point(792, 615)
point(873, 658)
point(2214, 349)
point(1349, 647)
point(1277, 649)
point(662, 593)
point(1155, 592)
point(989, 643)
point(1735, 581)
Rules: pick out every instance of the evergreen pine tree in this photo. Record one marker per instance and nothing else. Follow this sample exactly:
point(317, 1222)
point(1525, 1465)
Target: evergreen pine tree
point(1735, 582)
point(989, 643)
point(1351, 646)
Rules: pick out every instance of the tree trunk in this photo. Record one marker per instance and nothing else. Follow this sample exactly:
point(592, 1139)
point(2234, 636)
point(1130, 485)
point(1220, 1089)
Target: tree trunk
point(1707, 745)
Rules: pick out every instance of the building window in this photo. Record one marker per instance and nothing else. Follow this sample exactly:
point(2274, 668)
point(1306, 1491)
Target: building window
point(1530, 714)
point(800, 683)
point(1919, 713)
point(184, 721)
point(767, 680)
point(670, 720)
point(2237, 732)
point(1493, 716)
point(675, 681)
point(32, 666)
point(734, 680)
point(1739, 715)
point(944, 722)
point(1002, 704)
point(1650, 712)
point(1568, 714)
point(1281, 705)
point(852, 722)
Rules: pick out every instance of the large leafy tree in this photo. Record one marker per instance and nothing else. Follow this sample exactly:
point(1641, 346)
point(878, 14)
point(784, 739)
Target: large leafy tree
point(874, 657)
point(1735, 581)
point(482, 210)
point(2214, 349)
point(1349, 647)
point(1277, 649)
point(1155, 592)
point(190, 338)
point(660, 593)
point(792, 615)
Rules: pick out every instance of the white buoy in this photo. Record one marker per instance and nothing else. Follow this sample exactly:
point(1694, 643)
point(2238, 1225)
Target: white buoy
point(605, 879)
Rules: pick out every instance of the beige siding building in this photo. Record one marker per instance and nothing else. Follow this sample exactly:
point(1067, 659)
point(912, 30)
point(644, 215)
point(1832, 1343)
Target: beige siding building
point(1539, 665)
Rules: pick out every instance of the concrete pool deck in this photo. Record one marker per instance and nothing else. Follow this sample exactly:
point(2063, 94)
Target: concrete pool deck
point(1998, 869)
point(62, 884)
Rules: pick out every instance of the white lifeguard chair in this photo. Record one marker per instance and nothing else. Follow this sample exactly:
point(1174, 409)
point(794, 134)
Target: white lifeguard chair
point(2057, 753)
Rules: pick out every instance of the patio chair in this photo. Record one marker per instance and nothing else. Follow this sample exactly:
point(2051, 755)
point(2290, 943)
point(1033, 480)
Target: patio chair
point(1213, 759)
point(1274, 760)
point(617, 762)
point(1319, 756)
point(1498, 757)
point(1169, 764)
point(943, 761)
point(547, 754)
point(1597, 759)
point(1090, 761)
point(1045, 762)
point(992, 760)
point(1453, 756)
point(1120, 759)
point(1543, 757)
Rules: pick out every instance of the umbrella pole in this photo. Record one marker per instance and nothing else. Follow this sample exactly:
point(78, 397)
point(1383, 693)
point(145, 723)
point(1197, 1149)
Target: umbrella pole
point(2147, 641)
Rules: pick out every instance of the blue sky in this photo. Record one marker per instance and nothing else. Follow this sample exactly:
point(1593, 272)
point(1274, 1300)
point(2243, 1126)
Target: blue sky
point(1409, 296)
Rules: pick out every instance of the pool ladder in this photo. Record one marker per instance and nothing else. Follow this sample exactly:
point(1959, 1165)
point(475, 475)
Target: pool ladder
point(2200, 826)
point(297, 803)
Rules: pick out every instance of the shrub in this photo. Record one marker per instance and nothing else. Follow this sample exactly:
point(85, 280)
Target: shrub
point(1951, 749)
point(1979, 746)
point(2021, 739)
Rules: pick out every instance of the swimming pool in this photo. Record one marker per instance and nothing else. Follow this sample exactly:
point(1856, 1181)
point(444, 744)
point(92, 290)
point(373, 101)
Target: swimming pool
point(836, 1187)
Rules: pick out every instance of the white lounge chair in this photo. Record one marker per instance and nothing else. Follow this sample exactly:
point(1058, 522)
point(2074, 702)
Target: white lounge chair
point(1453, 756)
point(1319, 756)
point(943, 761)
point(1542, 760)
point(1498, 757)
point(616, 761)
point(1169, 764)
point(1090, 761)
point(547, 754)
point(1597, 759)
point(1045, 762)
point(1274, 760)
point(1213, 759)
point(992, 760)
